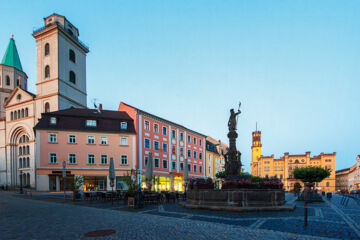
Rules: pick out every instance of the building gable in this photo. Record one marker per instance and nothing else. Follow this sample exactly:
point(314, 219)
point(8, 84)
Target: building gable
point(19, 96)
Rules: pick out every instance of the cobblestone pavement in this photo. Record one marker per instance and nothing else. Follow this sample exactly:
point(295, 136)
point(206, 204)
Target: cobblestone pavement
point(51, 218)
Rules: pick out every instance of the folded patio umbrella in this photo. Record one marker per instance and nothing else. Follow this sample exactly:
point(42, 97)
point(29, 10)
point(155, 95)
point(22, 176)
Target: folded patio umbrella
point(186, 170)
point(149, 172)
point(112, 172)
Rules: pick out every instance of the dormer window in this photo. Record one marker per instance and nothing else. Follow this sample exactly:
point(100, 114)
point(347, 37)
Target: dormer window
point(123, 125)
point(53, 120)
point(91, 123)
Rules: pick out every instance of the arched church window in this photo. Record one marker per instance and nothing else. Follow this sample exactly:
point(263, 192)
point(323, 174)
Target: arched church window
point(28, 162)
point(26, 112)
point(20, 150)
point(24, 150)
point(72, 77)
point(19, 113)
point(27, 150)
point(22, 113)
point(7, 80)
point(47, 49)
point(47, 107)
point(47, 71)
point(19, 81)
point(11, 116)
point(20, 162)
point(15, 115)
point(72, 56)
point(26, 138)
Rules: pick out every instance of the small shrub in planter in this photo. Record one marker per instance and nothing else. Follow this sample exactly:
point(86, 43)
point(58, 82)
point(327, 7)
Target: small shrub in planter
point(201, 184)
point(76, 187)
point(252, 184)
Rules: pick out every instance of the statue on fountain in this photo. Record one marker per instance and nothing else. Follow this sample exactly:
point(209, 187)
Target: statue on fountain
point(233, 157)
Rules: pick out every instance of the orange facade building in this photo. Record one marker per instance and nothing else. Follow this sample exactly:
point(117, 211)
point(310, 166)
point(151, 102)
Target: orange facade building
point(85, 140)
point(268, 166)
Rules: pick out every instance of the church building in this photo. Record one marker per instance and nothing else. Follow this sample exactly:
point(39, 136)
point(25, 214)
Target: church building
point(60, 84)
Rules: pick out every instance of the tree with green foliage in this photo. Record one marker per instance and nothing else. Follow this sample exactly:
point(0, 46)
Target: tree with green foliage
point(221, 175)
point(311, 175)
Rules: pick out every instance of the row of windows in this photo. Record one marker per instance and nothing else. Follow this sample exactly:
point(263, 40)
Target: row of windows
point(72, 75)
point(147, 144)
point(72, 159)
point(194, 154)
point(19, 114)
point(24, 162)
point(72, 56)
point(173, 132)
point(276, 176)
point(297, 161)
point(165, 165)
point(17, 81)
point(90, 139)
point(92, 123)
point(24, 150)
point(89, 122)
point(24, 139)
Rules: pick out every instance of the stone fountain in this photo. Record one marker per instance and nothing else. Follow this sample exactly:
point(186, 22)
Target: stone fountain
point(237, 199)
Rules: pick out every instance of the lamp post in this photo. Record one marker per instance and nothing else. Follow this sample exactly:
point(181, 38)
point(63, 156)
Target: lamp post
point(21, 187)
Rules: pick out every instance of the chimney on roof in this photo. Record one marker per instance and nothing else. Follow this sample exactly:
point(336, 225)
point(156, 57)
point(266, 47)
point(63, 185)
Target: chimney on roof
point(100, 106)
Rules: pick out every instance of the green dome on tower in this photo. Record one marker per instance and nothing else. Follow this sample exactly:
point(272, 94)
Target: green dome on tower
point(11, 57)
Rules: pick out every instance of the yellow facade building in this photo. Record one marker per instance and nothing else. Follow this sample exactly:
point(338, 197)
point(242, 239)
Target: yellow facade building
point(215, 160)
point(268, 166)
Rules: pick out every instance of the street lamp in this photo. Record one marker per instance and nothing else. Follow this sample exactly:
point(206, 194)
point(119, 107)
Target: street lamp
point(21, 187)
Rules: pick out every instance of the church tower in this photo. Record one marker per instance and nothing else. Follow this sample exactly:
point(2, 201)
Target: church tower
point(11, 74)
point(256, 151)
point(61, 66)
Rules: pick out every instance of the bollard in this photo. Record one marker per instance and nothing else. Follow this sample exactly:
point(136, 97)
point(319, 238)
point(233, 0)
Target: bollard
point(305, 214)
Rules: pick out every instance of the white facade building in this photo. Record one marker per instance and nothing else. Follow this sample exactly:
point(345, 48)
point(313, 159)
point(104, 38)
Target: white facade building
point(60, 84)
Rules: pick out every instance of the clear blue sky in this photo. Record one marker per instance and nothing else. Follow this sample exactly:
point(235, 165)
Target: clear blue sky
point(294, 65)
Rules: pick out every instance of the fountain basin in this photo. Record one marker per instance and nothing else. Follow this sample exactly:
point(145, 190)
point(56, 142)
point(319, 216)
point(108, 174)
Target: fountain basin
point(238, 200)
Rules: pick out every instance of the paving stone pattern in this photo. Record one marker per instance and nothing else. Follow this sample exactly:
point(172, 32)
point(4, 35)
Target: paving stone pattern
point(52, 218)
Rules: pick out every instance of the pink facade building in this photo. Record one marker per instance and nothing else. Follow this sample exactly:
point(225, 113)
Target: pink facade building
point(85, 139)
point(171, 144)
